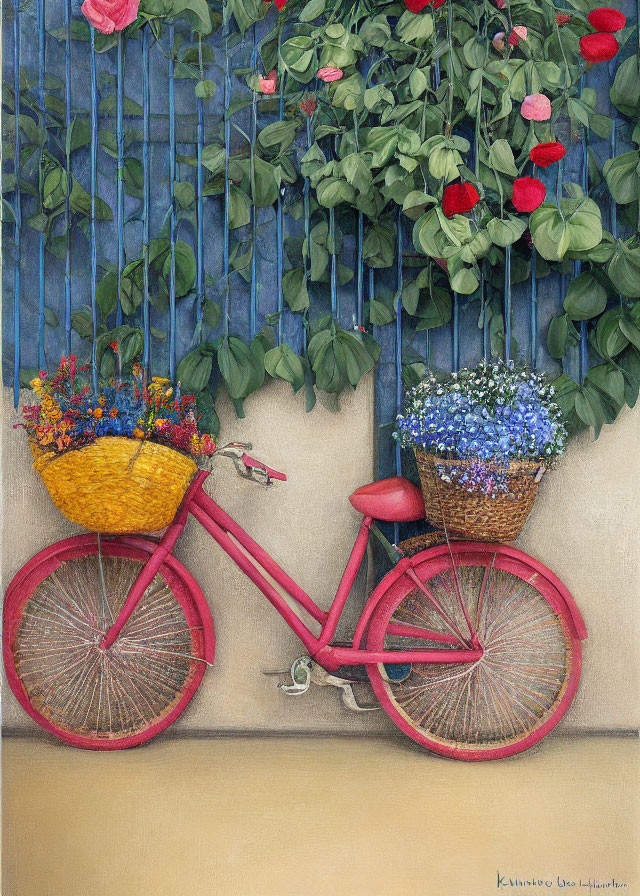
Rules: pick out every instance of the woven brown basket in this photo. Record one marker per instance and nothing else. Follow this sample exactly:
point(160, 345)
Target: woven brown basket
point(116, 485)
point(472, 514)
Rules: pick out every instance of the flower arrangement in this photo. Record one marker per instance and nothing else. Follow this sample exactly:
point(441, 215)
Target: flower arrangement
point(492, 414)
point(70, 416)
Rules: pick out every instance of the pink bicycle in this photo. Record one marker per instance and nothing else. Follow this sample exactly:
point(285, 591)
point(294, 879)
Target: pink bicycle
point(473, 650)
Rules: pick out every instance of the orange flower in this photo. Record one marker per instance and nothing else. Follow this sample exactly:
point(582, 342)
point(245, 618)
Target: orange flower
point(138, 433)
point(113, 412)
point(97, 413)
point(102, 401)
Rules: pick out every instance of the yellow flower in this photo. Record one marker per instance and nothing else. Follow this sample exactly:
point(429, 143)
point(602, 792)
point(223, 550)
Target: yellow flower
point(36, 385)
point(97, 413)
point(102, 401)
point(160, 421)
point(138, 433)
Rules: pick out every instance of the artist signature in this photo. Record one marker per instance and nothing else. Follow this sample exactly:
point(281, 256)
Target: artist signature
point(591, 884)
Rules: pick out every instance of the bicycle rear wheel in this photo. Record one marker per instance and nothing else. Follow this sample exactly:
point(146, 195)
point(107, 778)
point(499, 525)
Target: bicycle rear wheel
point(527, 677)
point(58, 608)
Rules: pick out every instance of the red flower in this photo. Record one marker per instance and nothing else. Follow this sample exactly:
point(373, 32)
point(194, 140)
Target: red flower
point(308, 106)
point(545, 154)
point(418, 5)
point(280, 4)
point(115, 346)
point(607, 19)
point(458, 199)
point(269, 83)
point(329, 73)
point(562, 18)
point(519, 33)
point(598, 47)
point(528, 193)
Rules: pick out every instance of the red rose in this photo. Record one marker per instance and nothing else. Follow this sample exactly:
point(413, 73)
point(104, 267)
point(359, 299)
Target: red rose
point(562, 18)
point(280, 4)
point(545, 154)
point(458, 199)
point(607, 19)
point(416, 6)
point(598, 47)
point(528, 193)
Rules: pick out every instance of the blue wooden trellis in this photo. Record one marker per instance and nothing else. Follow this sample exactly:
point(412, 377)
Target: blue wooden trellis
point(159, 121)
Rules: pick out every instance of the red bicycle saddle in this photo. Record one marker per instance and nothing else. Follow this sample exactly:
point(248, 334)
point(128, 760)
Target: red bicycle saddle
point(393, 500)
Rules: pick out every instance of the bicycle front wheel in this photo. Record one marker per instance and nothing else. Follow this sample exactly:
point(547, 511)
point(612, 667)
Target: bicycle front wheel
point(528, 674)
point(58, 608)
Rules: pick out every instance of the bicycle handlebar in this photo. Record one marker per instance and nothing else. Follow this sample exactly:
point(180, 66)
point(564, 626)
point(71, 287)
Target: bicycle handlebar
point(248, 467)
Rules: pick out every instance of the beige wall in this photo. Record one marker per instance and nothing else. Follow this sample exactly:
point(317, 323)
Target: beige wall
point(584, 526)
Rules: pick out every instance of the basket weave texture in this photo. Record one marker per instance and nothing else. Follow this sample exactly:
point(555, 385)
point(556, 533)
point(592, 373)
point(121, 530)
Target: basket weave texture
point(472, 514)
point(116, 485)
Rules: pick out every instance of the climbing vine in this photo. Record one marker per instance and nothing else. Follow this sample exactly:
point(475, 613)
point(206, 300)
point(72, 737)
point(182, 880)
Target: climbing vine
point(437, 131)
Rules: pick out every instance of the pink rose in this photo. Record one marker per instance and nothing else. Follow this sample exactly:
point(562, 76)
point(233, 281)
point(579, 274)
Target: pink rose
point(329, 73)
point(536, 107)
point(519, 33)
point(498, 41)
point(269, 83)
point(501, 4)
point(107, 16)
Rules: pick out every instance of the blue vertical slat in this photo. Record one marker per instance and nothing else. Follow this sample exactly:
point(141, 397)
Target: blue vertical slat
point(253, 311)
point(335, 307)
point(398, 350)
point(17, 211)
point(67, 207)
point(200, 213)
point(485, 322)
point(584, 183)
point(359, 247)
point(40, 14)
point(172, 219)
point(146, 199)
point(120, 181)
point(455, 333)
point(534, 309)
point(94, 179)
point(280, 223)
point(227, 193)
point(307, 228)
point(507, 303)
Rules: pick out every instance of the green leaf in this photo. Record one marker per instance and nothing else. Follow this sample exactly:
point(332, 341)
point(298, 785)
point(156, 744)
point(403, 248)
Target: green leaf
point(506, 231)
point(332, 191)
point(194, 370)
point(199, 13)
point(185, 261)
point(586, 296)
point(610, 340)
point(625, 90)
point(379, 247)
point(204, 90)
point(237, 366)
point(501, 158)
point(282, 363)
point(294, 289)
point(414, 29)
point(211, 313)
point(185, 193)
point(349, 93)
point(82, 323)
point(133, 177)
point(624, 270)
point(622, 175)
point(107, 293)
point(312, 10)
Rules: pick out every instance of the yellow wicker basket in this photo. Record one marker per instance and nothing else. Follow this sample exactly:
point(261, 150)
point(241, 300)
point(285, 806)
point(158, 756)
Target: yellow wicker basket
point(116, 485)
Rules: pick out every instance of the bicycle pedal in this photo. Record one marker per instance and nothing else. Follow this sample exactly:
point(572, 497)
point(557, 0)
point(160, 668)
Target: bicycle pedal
point(300, 677)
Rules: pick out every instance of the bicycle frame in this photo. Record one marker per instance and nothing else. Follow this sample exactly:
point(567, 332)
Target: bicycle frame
point(254, 561)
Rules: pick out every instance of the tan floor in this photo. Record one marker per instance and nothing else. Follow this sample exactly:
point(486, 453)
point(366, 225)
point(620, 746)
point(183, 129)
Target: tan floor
point(337, 816)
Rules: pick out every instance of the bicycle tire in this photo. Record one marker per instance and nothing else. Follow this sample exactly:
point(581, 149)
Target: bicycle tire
point(56, 611)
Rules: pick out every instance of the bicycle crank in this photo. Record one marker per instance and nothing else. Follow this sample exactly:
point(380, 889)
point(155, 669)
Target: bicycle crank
point(304, 672)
